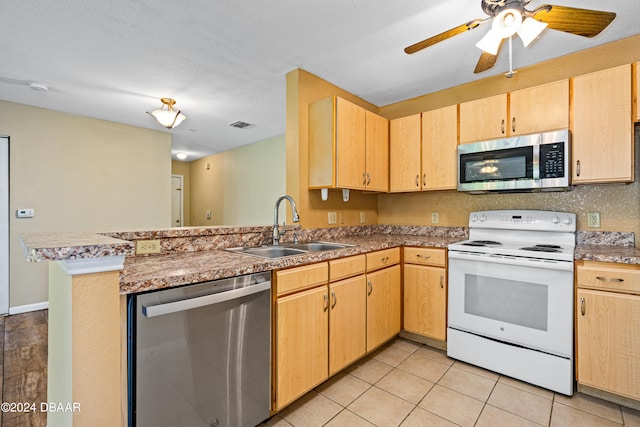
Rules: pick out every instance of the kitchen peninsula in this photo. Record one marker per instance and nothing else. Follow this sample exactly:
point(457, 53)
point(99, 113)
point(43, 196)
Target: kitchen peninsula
point(91, 275)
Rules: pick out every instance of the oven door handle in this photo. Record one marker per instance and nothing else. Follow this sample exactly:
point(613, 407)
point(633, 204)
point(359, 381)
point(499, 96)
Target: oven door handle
point(512, 260)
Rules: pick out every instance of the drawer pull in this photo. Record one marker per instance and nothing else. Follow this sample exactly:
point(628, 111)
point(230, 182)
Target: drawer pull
point(326, 303)
point(370, 287)
point(582, 306)
point(609, 279)
point(335, 300)
point(423, 256)
point(384, 260)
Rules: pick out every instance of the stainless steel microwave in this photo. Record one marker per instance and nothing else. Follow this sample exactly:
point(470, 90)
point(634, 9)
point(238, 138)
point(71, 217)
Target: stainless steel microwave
point(535, 162)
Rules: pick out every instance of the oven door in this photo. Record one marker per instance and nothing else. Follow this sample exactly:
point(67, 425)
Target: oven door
point(515, 300)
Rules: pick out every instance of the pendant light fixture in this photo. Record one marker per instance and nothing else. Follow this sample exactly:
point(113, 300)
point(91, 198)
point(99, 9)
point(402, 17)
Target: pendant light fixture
point(167, 117)
point(507, 23)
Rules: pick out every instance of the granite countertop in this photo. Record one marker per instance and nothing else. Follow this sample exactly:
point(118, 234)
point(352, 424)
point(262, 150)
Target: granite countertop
point(157, 272)
point(608, 253)
point(49, 246)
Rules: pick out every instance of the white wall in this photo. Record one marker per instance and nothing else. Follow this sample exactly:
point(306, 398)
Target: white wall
point(4, 225)
point(241, 185)
point(79, 174)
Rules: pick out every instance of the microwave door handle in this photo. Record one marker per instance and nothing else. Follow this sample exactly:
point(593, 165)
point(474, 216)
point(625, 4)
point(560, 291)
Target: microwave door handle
point(537, 163)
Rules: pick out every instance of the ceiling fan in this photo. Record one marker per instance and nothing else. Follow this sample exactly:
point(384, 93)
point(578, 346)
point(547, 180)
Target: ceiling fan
point(511, 17)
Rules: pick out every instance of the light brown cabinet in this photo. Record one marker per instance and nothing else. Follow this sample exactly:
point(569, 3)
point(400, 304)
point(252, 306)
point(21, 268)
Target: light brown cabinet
point(425, 292)
point(440, 149)
point(636, 91)
point(383, 297)
point(602, 128)
point(348, 146)
point(404, 154)
point(483, 119)
point(347, 322)
point(423, 151)
point(536, 109)
point(608, 327)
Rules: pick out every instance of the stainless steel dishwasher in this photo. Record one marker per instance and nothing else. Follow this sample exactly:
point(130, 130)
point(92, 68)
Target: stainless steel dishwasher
point(200, 355)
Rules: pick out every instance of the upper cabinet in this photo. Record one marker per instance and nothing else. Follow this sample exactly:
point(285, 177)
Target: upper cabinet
point(539, 109)
point(404, 148)
point(348, 146)
point(536, 109)
point(636, 92)
point(440, 149)
point(483, 119)
point(423, 151)
point(602, 127)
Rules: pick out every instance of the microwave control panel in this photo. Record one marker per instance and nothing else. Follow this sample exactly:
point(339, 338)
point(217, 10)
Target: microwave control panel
point(552, 160)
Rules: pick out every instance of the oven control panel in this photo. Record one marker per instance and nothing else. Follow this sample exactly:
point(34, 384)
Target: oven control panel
point(524, 220)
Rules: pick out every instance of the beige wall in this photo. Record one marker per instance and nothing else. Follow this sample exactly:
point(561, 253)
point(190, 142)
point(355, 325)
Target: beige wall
point(79, 174)
point(240, 186)
point(184, 169)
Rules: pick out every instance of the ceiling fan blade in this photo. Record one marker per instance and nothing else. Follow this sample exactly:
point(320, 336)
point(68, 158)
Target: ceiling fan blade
point(443, 36)
point(487, 60)
point(582, 22)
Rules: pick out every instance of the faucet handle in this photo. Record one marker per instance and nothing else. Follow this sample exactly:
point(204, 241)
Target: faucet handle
point(295, 238)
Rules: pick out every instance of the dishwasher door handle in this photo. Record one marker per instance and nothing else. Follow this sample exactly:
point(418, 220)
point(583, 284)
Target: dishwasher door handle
point(187, 304)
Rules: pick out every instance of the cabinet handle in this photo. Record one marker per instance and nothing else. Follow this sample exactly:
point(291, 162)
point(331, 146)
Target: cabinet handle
point(418, 180)
point(513, 124)
point(577, 167)
point(609, 279)
point(370, 287)
point(423, 256)
point(326, 303)
point(441, 281)
point(502, 126)
point(368, 179)
point(384, 260)
point(424, 179)
point(582, 306)
point(335, 300)
point(364, 178)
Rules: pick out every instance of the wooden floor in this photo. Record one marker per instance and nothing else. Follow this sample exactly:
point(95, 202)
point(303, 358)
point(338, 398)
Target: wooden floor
point(23, 369)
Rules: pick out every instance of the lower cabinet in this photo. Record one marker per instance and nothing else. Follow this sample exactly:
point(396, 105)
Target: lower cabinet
point(425, 292)
point(383, 297)
point(608, 328)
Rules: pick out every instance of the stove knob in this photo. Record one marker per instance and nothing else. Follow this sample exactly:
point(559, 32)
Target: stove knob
point(483, 218)
point(568, 220)
point(474, 218)
point(555, 220)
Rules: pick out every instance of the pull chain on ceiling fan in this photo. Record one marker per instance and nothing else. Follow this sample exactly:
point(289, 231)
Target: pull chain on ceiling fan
point(510, 17)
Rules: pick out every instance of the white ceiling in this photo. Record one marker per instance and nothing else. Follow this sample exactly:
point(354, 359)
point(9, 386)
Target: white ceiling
point(226, 60)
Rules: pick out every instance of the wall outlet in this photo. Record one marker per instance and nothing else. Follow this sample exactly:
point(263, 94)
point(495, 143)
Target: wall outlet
point(147, 247)
point(593, 219)
point(434, 217)
point(332, 218)
point(26, 213)
point(362, 218)
point(207, 214)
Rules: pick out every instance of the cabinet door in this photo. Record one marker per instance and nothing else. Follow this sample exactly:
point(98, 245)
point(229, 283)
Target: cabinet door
point(383, 306)
point(440, 149)
point(376, 152)
point(347, 322)
point(425, 301)
point(302, 327)
point(636, 92)
point(540, 108)
point(602, 127)
point(608, 329)
point(404, 154)
point(350, 144)
point(483, 119)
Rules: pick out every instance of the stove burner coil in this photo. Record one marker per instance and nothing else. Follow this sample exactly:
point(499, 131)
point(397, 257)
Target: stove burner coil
point(482, 243)
point(542, 248)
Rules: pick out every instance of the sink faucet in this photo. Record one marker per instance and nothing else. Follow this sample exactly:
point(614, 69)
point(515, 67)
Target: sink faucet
point(294, 214)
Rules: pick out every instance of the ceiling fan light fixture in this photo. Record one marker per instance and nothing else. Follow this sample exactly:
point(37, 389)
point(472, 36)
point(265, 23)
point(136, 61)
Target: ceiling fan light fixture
point(507, 22)
point(168, 117)
point(490, 43)
point(530, 30)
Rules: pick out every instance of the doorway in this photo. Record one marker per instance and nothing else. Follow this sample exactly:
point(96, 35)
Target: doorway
point(177, 201)
point(4, 225)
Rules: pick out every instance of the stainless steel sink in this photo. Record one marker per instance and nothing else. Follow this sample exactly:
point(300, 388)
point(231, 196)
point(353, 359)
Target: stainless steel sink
point(317, 246)
point(269, 251)
point(281, 251)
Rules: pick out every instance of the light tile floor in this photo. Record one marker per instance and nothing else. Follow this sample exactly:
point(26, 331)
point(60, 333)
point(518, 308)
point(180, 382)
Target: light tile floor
point(408, 384)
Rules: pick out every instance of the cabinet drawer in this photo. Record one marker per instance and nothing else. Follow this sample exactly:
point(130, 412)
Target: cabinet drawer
point(307, 276)
point(618, 277)
point(346, 267)
point(384, 258)
point(425, 256)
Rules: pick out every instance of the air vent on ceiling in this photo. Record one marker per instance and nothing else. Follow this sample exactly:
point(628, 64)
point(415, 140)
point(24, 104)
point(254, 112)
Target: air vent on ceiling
point(240, 124)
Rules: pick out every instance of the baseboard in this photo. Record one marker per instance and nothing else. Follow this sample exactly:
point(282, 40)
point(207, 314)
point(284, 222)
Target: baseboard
point(28, 307)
